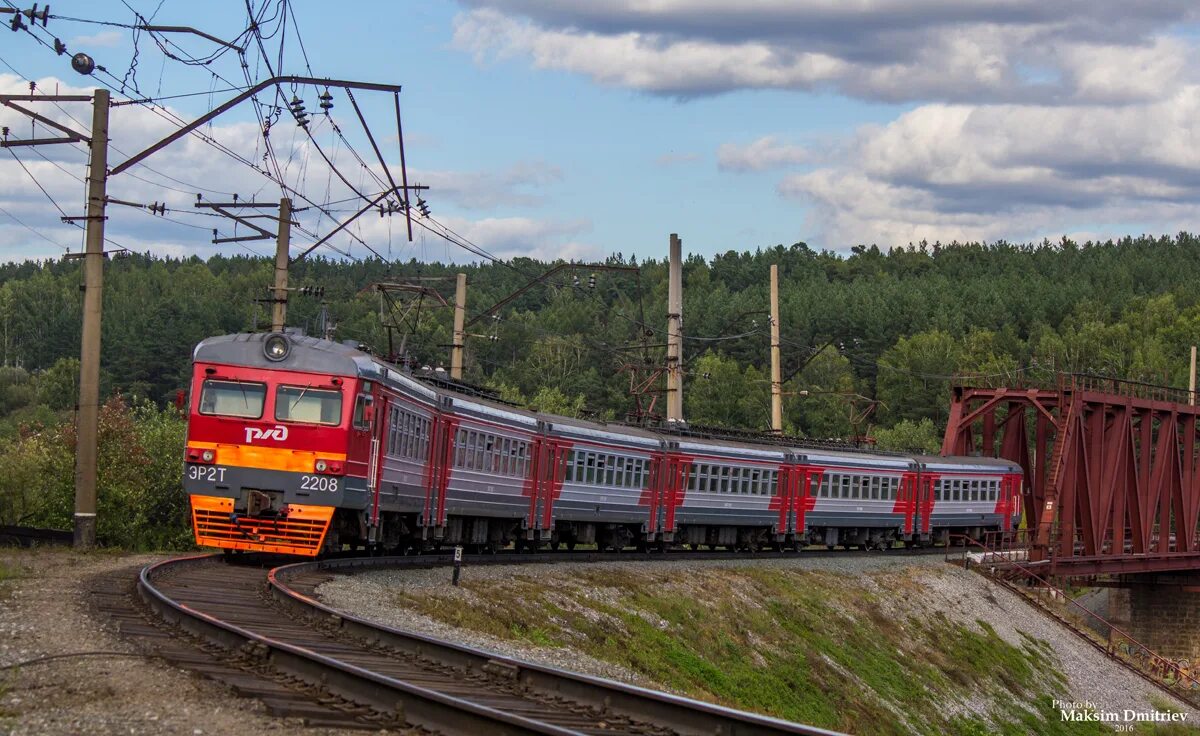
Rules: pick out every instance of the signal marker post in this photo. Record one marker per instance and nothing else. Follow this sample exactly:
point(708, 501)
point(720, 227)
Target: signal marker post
point(458, 552)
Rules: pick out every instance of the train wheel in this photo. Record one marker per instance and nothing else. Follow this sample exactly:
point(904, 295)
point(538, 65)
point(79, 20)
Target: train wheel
point(571, 546)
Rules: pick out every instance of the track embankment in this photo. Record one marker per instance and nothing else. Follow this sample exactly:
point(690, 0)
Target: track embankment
point(858, 643)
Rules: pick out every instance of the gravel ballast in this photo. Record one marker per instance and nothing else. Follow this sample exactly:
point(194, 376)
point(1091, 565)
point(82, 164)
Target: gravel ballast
point(44, 611)
point(963, 596)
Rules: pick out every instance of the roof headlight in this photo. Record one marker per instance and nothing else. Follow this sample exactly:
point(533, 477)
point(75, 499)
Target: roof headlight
point(276, 347)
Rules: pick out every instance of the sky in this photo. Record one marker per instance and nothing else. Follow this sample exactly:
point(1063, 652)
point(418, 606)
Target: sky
point(579, 130)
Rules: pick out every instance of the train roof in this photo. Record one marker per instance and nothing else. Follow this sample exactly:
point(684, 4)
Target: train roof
point(963, 464)
point(314, 356)
point(887, 460)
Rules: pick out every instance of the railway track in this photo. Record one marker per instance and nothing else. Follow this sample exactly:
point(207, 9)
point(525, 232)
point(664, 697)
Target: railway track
point(260, 629)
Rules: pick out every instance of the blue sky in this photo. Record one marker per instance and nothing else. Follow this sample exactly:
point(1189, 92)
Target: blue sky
point(579, 130)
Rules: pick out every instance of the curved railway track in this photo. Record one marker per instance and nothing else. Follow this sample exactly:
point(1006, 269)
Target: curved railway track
point(265, 622)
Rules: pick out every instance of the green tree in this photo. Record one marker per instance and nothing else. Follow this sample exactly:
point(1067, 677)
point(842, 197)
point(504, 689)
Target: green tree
point(907, 436)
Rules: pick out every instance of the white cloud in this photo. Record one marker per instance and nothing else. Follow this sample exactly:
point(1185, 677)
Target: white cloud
point(892, 50)
point(103, 39)
point(945, 172)
point(767, 152)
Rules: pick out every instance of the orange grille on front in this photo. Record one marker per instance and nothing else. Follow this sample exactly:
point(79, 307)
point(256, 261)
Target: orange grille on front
point(301, 532)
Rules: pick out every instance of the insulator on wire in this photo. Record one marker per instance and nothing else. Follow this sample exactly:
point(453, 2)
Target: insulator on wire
point(592, 281)
point(326, 101)
point(575, 281)
point(34, 15)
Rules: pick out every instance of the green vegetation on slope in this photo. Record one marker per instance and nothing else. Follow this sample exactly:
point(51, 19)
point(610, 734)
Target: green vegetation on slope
point(141, 499)
point(859, 654)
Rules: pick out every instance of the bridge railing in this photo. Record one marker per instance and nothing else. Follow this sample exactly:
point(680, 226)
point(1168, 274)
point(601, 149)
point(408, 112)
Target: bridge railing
point(1180, 676)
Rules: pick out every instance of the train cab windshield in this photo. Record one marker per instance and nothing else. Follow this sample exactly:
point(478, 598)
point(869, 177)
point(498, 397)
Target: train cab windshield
point(233, 398)
point(308, 405)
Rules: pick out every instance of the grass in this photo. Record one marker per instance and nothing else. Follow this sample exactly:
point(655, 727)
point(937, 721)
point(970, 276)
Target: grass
point(857, 654)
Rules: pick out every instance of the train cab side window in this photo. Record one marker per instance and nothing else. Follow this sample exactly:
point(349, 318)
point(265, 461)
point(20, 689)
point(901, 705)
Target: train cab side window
point(360, 410)
point(232, 398)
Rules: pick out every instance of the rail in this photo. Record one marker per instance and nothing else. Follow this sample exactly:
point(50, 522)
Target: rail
point(426, 706)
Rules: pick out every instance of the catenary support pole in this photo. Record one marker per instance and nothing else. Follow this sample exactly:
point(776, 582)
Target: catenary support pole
point(460, 312)
point(282, 243)
point(675, 332)
point(89, 356)
point(776, 369)
point(1192, 379)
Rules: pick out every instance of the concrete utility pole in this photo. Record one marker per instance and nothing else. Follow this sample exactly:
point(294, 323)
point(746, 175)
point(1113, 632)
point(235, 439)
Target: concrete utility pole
point(1192, 381)
point(776, 369)
point(89, 355)
point(460, 314)
point(675, 332)
point(282, 242)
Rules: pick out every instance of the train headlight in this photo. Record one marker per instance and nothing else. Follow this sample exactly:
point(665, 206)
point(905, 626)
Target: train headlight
point(276, 347)
point(321, 466)
point(208, 456)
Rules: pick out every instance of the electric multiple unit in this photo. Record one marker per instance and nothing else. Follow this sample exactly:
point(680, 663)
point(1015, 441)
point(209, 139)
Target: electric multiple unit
point(298, 445)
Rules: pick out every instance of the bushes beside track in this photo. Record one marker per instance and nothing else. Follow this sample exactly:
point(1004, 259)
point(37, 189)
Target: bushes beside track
point(141, 502)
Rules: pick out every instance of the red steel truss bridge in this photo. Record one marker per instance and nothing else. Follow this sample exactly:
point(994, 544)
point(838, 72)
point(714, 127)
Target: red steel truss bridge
point(1112, 470)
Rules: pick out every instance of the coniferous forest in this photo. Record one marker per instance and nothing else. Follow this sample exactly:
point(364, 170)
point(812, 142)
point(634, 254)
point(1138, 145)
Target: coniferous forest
point(871, 339)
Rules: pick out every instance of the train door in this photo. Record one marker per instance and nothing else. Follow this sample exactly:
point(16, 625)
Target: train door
point(926, 483)
point(906, 502)
point(554, 469)
point(678, 470)
point(543, 483)
point(360, 459)
point(533, 481)
point(442, 429)
point(787, 480)
point(805, 478)
point(653, 493)
point(382, 425)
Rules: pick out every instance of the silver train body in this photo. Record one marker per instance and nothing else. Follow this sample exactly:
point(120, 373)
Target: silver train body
point(450, 468)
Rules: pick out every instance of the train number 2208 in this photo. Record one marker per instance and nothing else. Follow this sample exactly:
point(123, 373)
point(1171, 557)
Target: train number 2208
point(318, 483)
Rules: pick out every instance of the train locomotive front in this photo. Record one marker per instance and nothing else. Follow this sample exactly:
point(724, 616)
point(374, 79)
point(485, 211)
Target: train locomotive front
point(277, 443)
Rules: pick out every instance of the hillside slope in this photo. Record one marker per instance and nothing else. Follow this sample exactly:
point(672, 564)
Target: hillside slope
point(870, 645)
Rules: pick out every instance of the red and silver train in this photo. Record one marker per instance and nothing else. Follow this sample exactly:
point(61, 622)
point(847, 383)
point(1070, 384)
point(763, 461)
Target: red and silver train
point(297, 445)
